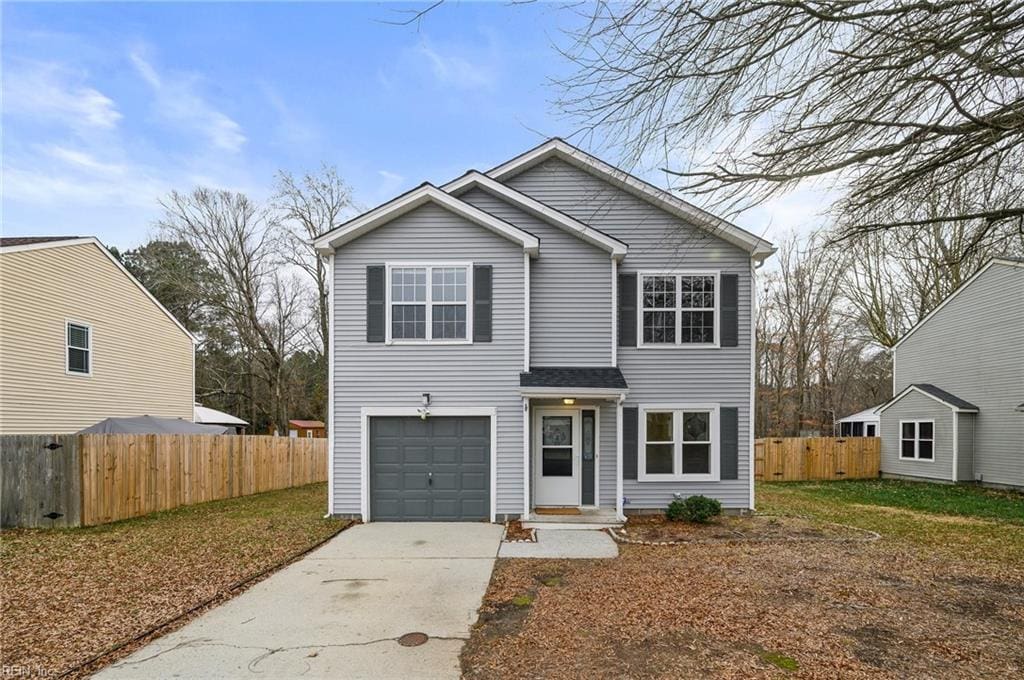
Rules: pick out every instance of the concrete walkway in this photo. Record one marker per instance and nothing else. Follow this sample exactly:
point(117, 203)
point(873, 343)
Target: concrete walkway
point(339, 611)
point(572, 543)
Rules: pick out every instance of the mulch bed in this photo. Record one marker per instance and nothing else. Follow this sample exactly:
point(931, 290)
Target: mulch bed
point(752, 610)
point(514, 532)
point(69, 594)
point(655, 529)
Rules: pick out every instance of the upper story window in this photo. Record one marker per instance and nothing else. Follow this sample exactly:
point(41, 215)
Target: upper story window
point(917, 440)
point(429, 302)
point(679, 443)
point(79, 348)
point(679, 309)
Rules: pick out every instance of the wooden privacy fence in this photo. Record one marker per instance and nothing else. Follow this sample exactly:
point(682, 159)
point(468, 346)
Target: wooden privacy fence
point(99, 478)
point(791, 459)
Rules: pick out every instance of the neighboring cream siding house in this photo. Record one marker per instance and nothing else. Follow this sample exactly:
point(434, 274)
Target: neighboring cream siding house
point(125, 354)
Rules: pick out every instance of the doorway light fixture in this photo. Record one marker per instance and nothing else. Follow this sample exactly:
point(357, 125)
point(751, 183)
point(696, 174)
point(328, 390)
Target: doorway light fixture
point(569, 401)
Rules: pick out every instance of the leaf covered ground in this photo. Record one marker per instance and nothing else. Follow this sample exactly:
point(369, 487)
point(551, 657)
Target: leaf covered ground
point(68, 594)
point(927, 600)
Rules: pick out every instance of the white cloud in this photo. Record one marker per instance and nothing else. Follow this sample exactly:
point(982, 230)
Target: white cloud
point(177, 100)
point(57, 93)
point(450, 68)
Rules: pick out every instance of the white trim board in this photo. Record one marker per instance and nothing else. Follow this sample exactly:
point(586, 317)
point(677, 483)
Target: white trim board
point(110, 256)
point(421, 195)
point(545, 392)
point(758, 247)
point(960, 288)
point(915, 388)
point(475, 179)
point(330, 384)
point(367, 412)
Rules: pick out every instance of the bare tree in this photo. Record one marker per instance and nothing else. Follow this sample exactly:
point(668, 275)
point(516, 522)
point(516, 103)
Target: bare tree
point(894, 101)
point(233, 235)
point(308, 207)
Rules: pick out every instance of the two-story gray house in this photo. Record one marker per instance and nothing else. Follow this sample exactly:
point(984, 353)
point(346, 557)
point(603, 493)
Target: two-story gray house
point(958, 381)
point(552, 333)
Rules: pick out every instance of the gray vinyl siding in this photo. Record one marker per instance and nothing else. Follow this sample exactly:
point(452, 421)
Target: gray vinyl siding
point(477, 375)
point(570, 291)
point(965, 450)
point(916, 406)
point(657, 241)
point(974, 348)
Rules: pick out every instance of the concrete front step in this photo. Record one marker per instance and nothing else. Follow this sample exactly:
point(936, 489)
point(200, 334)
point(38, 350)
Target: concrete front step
point(571, 526)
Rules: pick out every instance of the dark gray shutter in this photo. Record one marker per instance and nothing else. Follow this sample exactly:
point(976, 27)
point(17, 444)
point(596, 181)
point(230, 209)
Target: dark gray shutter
point(729, 443)
point(375, 303)
point(730, 324)
point(482, 302)
point(630, 440)
point(627, 311)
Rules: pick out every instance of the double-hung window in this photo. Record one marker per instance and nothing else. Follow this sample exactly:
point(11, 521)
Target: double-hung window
point(679, 443)
point(917, 440)
point(429, 303)
point(78, 348)
point(679, 309)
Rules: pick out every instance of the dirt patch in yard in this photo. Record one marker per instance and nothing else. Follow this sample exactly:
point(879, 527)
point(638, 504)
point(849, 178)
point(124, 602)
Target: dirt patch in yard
point(742, 610)
point(657, 529)
point(69, 594)
point(514, 531)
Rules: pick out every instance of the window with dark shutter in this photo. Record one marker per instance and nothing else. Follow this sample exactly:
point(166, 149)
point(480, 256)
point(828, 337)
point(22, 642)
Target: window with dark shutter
point(627, 310)
point(375, 312)
point(730, 310)
point(483, 302)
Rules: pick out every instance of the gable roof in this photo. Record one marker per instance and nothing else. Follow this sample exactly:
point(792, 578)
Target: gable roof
point(40, 243)
point(1011, 261)
point(758, 247)
point(599, 377)
point(528, 204)
point(423, 194)
point(933, 392)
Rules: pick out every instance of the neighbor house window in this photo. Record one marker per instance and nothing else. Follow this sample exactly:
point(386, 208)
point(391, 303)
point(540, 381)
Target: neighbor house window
point(917, 439)
point(429, 302)
point(79, 348)
point(679, 443)
point(679, 309)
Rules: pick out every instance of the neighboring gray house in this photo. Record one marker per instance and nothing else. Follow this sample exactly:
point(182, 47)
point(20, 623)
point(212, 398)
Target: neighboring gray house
point(958, 381)
point(551, 333)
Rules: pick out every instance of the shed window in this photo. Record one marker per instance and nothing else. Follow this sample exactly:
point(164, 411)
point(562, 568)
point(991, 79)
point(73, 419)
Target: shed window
point(79, 348)
point(917, 440)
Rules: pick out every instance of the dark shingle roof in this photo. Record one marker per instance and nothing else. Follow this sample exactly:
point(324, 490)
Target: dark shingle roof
point(30, 240)
point(945, 396)
point(605, 377)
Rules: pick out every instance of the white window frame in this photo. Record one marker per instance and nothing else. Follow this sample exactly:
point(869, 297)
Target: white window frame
point(677, 441)
point(68, 347)
point(429, 304)
point(917, 440)
point(717, 310)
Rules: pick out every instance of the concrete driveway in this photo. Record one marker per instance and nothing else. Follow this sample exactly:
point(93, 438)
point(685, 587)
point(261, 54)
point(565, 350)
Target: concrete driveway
point(339, 611)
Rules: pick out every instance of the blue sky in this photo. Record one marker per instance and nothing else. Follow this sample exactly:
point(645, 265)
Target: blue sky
point(107, 107)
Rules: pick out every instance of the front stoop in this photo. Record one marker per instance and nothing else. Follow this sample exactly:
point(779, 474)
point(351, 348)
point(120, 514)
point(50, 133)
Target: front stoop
point(588, 520)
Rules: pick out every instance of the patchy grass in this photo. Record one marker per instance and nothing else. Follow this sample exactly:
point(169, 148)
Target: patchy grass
point(962, 521)
point(938, 596)
point(68, 594)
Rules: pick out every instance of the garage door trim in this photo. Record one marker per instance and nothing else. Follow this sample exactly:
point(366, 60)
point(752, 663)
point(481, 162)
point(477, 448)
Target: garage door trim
point(368, 412)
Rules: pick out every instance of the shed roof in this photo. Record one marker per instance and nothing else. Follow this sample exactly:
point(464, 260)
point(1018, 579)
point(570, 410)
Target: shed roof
point(866, 414)
point(599, 377)
point(207, 415)
point(307, 424)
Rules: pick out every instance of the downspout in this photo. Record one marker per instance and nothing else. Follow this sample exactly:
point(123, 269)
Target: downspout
point(956, 443)
point(618, 458)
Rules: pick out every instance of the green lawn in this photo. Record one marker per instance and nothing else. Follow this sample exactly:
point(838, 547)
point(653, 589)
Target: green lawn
point(966, 521)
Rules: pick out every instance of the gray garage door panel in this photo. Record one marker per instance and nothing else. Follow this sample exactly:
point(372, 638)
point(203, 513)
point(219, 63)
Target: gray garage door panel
point(430, 470)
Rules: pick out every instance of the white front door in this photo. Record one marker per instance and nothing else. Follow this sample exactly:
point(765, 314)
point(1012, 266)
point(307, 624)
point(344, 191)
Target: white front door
point(556, 464)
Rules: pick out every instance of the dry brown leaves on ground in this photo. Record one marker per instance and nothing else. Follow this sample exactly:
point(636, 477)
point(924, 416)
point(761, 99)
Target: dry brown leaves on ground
point(514, 531)
point(656, 528)
point(69, 594)
point(740, 610)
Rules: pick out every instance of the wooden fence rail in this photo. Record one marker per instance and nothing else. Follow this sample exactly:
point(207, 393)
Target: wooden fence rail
point(790, 459)
point(100, 478)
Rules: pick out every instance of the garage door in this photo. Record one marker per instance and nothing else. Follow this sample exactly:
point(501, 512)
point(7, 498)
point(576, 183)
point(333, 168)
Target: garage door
point(430, 470)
